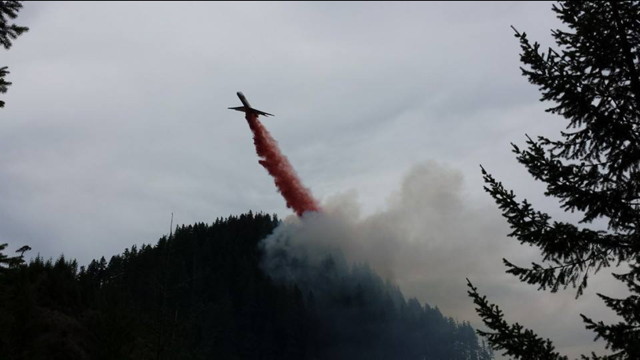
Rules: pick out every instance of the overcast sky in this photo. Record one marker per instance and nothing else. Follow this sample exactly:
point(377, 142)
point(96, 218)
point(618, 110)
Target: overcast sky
point(117, 117)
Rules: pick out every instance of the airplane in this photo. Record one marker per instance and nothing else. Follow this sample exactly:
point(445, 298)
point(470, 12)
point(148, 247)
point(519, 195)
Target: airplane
point(247, 108)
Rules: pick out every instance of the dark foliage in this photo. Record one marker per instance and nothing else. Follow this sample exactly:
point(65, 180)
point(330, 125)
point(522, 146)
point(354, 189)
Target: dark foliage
point(595, 170)
point(8, 32)
point(200, 294)
point(8, 261)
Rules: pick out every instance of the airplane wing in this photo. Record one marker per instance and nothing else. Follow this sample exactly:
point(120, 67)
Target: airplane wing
point(249, 110)
point(262, 113)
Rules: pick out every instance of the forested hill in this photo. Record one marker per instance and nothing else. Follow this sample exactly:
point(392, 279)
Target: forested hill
point(200, 294)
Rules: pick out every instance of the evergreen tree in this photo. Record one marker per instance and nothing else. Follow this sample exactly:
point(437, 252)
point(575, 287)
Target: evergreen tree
point(595, 170)
point(6, 261)
point(23, 250)
point(8, 32)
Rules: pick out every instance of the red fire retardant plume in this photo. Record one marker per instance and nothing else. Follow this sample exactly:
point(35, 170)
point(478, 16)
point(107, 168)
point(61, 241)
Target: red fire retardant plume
point(297, 196)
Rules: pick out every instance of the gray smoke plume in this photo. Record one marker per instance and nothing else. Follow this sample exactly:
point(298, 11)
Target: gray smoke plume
point(427, 241)
point(348, 268)
point(415, 242)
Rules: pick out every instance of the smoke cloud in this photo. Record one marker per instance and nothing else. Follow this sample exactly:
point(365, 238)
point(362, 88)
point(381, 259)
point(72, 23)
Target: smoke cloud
point(415, 242)
point(427, 241)
point(354, 268)
point(297, 196)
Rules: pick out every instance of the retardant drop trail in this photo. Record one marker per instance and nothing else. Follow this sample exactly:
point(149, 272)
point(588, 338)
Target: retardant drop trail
point(297, 196)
